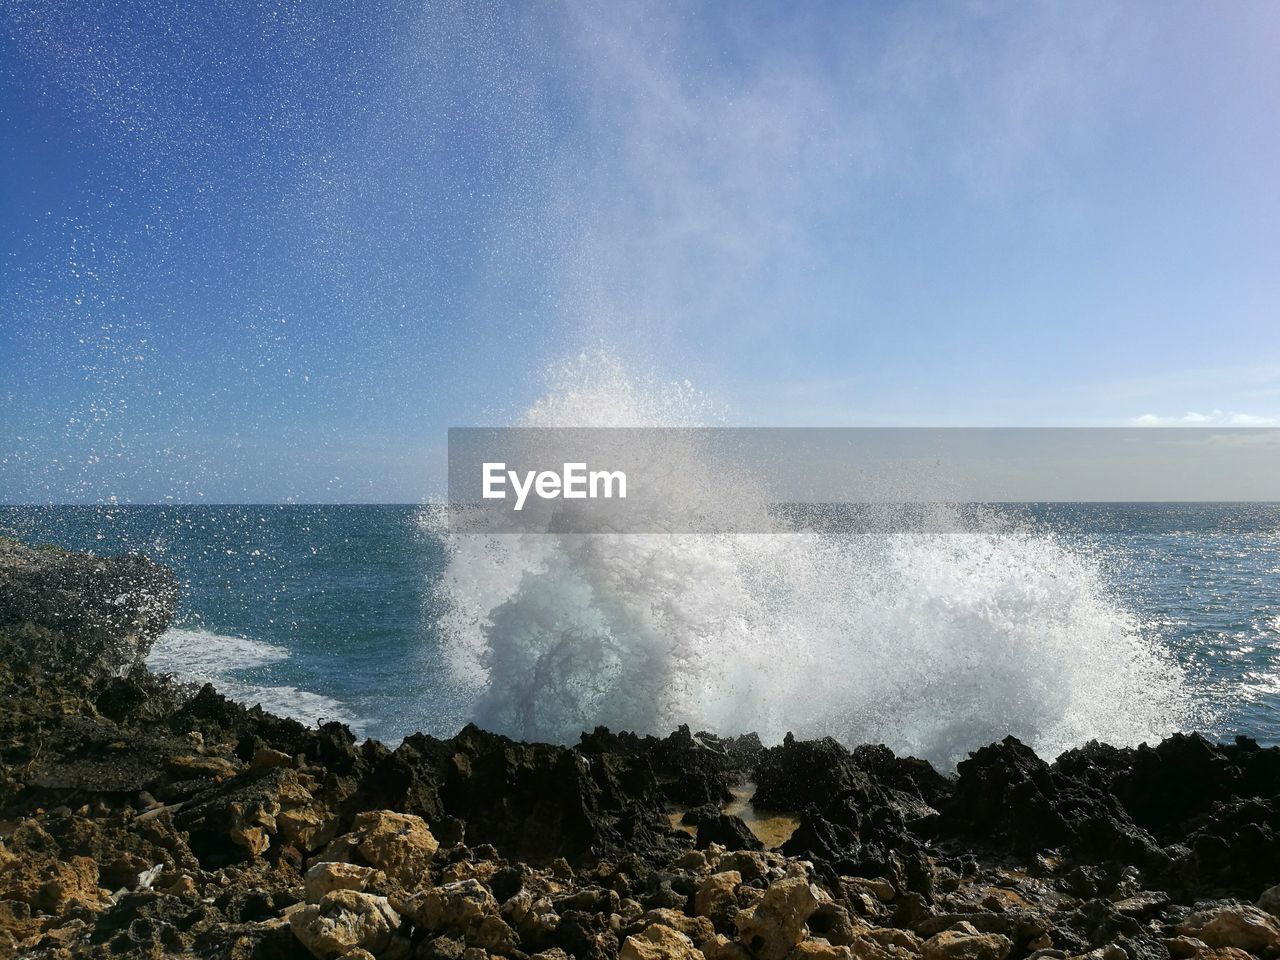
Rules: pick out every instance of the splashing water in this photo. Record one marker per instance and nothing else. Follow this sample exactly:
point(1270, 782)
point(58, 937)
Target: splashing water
point(933, 644)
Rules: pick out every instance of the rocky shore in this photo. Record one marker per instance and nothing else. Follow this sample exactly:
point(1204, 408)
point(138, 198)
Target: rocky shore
point(142, 819)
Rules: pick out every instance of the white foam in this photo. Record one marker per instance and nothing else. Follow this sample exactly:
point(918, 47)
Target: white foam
point(200, 656)
point(932, 644)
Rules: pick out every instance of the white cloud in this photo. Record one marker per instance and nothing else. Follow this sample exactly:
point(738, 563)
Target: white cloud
point(1216, 418)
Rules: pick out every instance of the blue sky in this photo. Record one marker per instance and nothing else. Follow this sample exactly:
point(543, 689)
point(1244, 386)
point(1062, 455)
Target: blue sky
point(269, 251)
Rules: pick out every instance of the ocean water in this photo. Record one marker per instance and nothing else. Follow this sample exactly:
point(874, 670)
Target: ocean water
point(1059, 623)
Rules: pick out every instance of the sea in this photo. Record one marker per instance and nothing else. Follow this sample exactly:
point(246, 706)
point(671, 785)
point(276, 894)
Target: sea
point(1069, 622)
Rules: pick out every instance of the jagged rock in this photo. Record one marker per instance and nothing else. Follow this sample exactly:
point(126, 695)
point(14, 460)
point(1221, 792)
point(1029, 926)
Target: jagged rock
point(697, 929)
point(52, 886)
point(456, 907)
point(770, 928)
point(1243, 927)
point(84, 615)
point(717, 899)
point(400, 845)
point(329, 876)
point(965, 943)
point(728, 831)
point(657, 942)
point(345, 920)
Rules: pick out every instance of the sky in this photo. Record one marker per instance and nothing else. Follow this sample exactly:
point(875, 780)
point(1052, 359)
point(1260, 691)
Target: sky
point(266, 251)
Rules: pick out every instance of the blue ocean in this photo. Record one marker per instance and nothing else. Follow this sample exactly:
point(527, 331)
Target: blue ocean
point(1120, 621)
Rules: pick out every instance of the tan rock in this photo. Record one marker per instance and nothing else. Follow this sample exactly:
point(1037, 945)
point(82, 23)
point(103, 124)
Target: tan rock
point(200, 768)
point(308, 827)
point(721, 947)
point(252, 827)
point(398, 844)
point(70, 883)
point(658, 942)
point(345, 920)
point(326, 877)
point(965, 943)
point(717, 893)
point(817, 948)
point(694, 860)
point(266, 757)
point(696, 929)
point(457, 907)
point(495, 936)
point(1243, 927)
point(772, 927)
point(894, 937)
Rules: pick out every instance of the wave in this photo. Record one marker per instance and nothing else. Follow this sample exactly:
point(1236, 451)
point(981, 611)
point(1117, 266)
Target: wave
point(200, 656)
point(933, 644)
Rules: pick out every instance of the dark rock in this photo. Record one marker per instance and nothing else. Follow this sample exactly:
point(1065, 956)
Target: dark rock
point(728, 830)
point(92, 616)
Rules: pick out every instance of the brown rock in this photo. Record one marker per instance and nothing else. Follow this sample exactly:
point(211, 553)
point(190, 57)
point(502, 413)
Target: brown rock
point(326, 877)
point(345, 920)
point(1243, 927)
point(456, 907)
point(266, 757)
point(658, 942)
point(398, 844)
point(772, 927)
point(717, 895)
point(200, 768)
point(721, 947)
point(966, 944)
point(307, 827)
point(816, 948)
point(696, 929)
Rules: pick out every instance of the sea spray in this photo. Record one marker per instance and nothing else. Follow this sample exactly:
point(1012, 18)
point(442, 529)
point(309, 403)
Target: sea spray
point(930, 643)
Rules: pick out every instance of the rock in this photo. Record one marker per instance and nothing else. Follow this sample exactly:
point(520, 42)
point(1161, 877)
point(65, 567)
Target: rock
point(1243, 927)
point(398, 844)
point(717, 898)
point(329, 876)
point(657, 942)
point(1269, 902)
point(251, 826)
point(306, 827)
point(728, 831)
point(89, 616)
point(53, 886)
point(721, 947)
point(770, 928)
point(345, 920)
point(877, 887)
point(457, 907)
point(816, 948)
point(892, 937)
point(832, 923)
point(266, 757)
point(966, 945)
point(697, 929)
point(750, 863)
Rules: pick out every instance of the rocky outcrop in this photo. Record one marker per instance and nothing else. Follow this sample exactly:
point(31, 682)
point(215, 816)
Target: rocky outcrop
point(92, 615)
point(139, 819)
